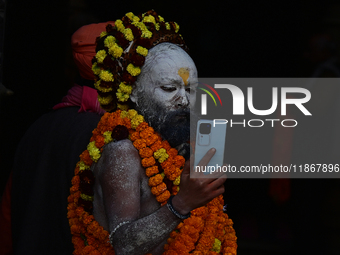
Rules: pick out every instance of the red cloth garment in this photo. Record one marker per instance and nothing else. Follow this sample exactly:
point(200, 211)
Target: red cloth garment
point(82, 96)
point(83, 43)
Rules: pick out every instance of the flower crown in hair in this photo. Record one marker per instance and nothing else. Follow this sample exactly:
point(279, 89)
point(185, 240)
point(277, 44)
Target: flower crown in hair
point(121, 52)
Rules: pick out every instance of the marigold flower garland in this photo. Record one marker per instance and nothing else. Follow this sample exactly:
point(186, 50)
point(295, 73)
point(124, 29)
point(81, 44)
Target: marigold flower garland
point(121, 52)
point(207, 231)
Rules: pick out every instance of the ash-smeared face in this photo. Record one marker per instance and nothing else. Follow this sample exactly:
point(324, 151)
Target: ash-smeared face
point(166, 90)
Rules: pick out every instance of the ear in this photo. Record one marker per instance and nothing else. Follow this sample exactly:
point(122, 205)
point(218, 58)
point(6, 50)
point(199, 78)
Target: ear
point(133, 96)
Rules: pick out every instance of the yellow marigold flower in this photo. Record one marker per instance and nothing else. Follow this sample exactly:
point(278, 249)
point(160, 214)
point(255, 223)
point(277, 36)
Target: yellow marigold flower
point(122, 97)
point(109, 41)
point(147, 34)
point(107, 137)
point(102, 34)
point(123, 114)
point(115, 50)
point(217, 246)
point(127, 89)
point(119, 25)
point(149, 18)
point(86, 197)
point(102, 89)
point(96, 69)
point(133, 70)
point(177, 181)
point(163, 158)
point(105, 100)
point(101, 55)
point(177, 27)
point(93, 151)
point(157, 26)
point(167, 25)
point(132, 113)
point(142, 51)
point(139, 25)
point(136, 121)
point(83, 166)
point(132, 17)
point(161, 155)
point(128, 34)
point(123, 92)
point(106, 75)
point(161, 19)
point(123, 107)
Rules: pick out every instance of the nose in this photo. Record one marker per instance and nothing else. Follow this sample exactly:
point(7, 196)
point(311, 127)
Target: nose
point(182, 100)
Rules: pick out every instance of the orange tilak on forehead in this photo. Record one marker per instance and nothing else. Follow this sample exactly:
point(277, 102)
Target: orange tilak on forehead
point(184, 73)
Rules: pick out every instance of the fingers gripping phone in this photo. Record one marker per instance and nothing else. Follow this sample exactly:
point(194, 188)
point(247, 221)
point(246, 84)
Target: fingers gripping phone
point(210, 134)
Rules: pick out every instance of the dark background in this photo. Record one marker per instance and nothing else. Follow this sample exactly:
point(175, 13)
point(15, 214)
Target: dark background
point(226, 39)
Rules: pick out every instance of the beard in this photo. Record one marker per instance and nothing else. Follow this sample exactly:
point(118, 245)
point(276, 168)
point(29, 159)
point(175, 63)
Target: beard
point(173, 126)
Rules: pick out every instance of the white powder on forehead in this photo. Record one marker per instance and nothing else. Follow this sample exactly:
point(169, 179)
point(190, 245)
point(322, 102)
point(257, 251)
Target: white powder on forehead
point(162, 52)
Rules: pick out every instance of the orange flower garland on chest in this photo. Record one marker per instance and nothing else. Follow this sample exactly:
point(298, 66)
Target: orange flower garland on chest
point(208, 229)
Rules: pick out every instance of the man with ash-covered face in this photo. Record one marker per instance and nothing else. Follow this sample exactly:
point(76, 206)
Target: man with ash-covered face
point(132, 188)
point(163, 94)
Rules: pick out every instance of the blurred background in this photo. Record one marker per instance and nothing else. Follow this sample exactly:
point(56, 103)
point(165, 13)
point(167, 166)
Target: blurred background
point(289, 38)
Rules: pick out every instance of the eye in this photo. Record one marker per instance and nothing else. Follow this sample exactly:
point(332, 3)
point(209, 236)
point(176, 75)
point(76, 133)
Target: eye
point(188, 90)
point(168, 88)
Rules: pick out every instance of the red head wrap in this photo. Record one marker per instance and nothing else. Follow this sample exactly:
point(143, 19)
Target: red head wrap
point(83, 43)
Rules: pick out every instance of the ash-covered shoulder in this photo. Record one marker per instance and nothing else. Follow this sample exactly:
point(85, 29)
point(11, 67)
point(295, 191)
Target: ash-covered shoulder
point(121, 147)
point(117, 157)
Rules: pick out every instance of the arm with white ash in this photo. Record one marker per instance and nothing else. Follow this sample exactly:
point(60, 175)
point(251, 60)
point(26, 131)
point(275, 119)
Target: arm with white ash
point(119, 174)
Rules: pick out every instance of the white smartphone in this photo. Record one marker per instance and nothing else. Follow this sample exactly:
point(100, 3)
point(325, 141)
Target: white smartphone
point(210, 134)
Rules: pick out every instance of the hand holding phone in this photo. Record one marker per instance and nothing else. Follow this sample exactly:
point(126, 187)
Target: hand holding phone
point(210, 134)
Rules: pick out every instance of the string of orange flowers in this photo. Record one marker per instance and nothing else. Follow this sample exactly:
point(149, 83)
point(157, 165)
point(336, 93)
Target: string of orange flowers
point(207, 231)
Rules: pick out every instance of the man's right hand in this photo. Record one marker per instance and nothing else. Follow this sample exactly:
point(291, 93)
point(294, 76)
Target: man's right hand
point(197, 192)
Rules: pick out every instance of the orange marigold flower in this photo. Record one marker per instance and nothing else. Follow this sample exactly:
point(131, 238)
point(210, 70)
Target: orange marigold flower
point(139, 144)
point(95, 252)
point(201, 211)
point(173, 234)
point(80, 211)
point(75, 180)
point(159, 189)
point(74, 188)
point(85, 156)
point(134, 136)
point(167, 163)
point(180, 225)
point(150, 171)
point(152, 139)
point(145, 152)
point(147, 132)
point(100, 141)
point(155, 180)
point(156, 146)
point(179, 161)
point(163, 197)
point(75, 229)
point(146, 162)
point(88, 219)
point(142, 126)
point(166, 145)
point(88, 249)
point(172, 152)
point(174, 190)
point(172, 172)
